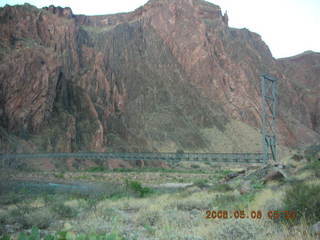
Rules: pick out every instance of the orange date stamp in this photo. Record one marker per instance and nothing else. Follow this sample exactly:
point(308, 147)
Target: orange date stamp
point(255, 214)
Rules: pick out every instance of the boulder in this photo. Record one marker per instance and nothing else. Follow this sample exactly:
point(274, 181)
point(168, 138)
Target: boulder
point(280, 166)
point(275, 175)
point(236, 193)
point(234, 175)
point(231, 176)
point(243, 171)
point(245, 187)
point(297, 157)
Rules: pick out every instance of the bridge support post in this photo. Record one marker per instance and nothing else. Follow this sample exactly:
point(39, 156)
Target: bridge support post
point(268, 128)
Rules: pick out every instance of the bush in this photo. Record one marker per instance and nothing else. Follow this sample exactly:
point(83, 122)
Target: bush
point(180, 151)
point(312, 153)
point(224, 200)
point(17, 215)
point(190, 204)
point(63, 210)
point(239, 229)
point(10, 198)
point(41, 218)
point(97, 169)
point(150, 217)
point(194, 166)
point(314, 165)
point(234, 202)
point(201, 183)
point(257, 185)
point(221, 188)
point(178, 219)
point(305, 200)
point(137, 188)
point(35, 235)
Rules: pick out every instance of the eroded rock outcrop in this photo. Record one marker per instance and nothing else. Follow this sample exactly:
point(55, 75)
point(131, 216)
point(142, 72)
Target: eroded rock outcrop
point(155, 79)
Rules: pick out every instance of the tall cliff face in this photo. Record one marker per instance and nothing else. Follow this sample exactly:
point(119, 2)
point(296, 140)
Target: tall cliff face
point(302, 73)
point(170, 75)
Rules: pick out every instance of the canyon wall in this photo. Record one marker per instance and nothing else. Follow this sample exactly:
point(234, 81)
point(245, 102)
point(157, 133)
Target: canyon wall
point(171, 75)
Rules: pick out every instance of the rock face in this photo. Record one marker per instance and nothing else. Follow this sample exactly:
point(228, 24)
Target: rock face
point(156, 79)
point(302, 75)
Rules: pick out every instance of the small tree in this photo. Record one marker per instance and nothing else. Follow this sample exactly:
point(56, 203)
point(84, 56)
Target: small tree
point(179, 151)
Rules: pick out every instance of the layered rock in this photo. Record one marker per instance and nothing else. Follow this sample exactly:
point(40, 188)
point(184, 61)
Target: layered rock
point(170, 75)
point(301, 74)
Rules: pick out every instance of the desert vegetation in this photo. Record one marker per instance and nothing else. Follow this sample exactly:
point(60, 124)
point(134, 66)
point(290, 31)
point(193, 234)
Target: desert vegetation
point(171, 76)
point(165, 207)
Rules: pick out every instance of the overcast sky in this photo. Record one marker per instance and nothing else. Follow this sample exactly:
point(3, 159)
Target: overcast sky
point(289, 27)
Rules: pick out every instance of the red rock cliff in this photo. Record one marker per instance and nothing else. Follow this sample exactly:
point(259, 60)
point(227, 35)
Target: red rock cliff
point(124, 82)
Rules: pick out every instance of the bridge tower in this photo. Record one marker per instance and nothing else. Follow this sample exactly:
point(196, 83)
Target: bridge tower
point(269, 87)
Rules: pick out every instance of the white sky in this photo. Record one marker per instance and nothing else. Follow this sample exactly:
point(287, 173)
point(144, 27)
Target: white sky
point(289, 27)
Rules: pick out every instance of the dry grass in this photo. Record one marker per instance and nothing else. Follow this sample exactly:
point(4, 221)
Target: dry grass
point(172, 216)
point(298, 232)
point(175, 215)
point(267, 200)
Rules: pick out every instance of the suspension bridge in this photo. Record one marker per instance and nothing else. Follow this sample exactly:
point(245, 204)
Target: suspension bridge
point(169, 157)
point(269, 95)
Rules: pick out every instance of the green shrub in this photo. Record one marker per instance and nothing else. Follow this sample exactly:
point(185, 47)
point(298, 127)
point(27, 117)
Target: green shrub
point(180, 151)
point(201, 183)
point(97, 169)
point(314, 166)
point(150, 230)
point(48, 198)
point(194, 166)
point(40, 218)
point(312, 153)
point(17, 215)
point(10, 198)
point(221, 187)
point(304, 200)
point(4, 237)
point(234, 202)
point(224, 200)
point(63, 210)
point(35, 235)
point(137, 188)
point(223, 173)
point(59, 175)
point(257, 185)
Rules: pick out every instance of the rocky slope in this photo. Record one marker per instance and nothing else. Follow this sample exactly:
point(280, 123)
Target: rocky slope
point(302, 73)
point(170, 75)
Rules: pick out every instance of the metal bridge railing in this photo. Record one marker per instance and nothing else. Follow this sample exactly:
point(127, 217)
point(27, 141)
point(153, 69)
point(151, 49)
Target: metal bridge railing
point(214, 157)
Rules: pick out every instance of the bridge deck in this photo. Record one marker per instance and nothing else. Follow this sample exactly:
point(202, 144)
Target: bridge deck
point(215, 157)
